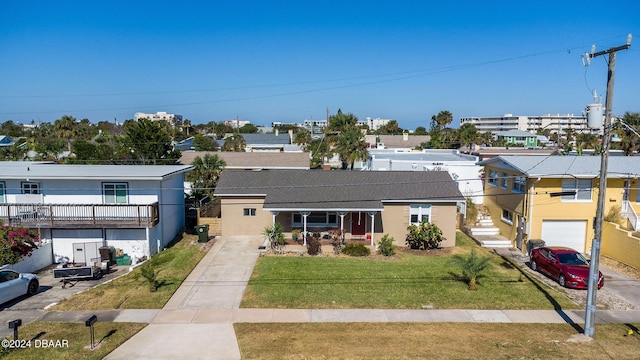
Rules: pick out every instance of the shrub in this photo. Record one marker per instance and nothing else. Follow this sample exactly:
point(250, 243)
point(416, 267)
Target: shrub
point(16, 243)
point(314, 247)
point(356, 250)
point(275, 235)
point(471, 215)
point(614, 215)
point(424, 236)
point(385, 246)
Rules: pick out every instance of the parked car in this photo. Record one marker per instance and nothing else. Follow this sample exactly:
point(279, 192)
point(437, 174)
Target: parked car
point(566, 265)
point(13, 285)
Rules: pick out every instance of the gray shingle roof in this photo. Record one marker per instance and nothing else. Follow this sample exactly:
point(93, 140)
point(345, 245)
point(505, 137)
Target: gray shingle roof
point(569, 166)
point(338, 190)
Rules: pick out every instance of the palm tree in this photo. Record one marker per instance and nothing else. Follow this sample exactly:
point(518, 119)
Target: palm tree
point(66, 128)
point(234, 143)
point(586, 141)
point(206, 174)
point(473, 267)
point(351, 146)
point(468, 134)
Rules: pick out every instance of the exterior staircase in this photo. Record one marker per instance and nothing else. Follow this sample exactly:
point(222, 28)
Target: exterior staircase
point(488, 235)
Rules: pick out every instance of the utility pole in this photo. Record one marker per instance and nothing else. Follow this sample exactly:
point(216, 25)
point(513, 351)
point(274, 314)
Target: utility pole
point(604, 159)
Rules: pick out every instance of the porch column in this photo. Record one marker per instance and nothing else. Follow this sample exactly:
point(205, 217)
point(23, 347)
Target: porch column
point(273, 217)
point(342, 215)
point(373, 216)
point(304, 223)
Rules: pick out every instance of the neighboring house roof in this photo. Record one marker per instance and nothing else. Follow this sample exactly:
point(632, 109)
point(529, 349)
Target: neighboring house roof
point(568, 166)
point(398, 141)
point(489, 152)
point(267, 139)
point(424, 155)
point(254, 160)
point(5, 139)
point(515, 133)
point(338, 190)
point(32, 171)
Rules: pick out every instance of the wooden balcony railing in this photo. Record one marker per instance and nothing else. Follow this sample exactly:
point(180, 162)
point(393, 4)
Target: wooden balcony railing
point(79, 215)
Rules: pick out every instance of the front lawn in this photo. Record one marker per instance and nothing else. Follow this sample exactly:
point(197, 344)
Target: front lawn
point(131, 291)
point(410, 281)
point(433, 341)
point(52, 340)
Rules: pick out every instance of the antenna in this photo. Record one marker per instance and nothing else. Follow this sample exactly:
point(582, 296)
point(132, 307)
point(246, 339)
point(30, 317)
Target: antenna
point(629, 40)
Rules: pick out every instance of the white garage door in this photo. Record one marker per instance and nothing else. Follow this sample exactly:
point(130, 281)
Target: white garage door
point(571, 234)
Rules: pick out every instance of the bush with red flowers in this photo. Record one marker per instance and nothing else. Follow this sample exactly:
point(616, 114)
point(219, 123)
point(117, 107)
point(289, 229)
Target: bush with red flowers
point(16, 243)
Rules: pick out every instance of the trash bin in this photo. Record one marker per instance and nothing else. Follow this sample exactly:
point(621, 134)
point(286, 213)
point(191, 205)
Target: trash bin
point(203, 233)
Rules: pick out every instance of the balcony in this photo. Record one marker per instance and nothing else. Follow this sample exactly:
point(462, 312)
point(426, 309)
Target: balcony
point(79, 215)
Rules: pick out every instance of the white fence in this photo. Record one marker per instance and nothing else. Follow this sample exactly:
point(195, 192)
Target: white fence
point(40, 258)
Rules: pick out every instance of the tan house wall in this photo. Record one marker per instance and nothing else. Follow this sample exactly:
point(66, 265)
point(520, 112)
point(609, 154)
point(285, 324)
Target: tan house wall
point(395, 218)
point(621, 245)
point(498, 198)
point(235, 223)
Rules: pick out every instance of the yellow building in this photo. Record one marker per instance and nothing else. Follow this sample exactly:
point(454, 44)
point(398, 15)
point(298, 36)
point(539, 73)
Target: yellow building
point(554, 198)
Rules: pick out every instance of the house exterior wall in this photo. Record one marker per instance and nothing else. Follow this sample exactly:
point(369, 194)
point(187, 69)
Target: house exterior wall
point(172, 210)
point(235, 223)
point(395, 220)
point(500, 196)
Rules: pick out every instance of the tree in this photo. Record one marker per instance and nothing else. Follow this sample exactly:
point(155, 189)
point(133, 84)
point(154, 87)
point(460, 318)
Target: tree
point(16, 243)
point(420, 130)
point(205, 175)
point(303, 139)
point(351, 146)
point(150, 142)
point(66, 128)
point(440, 134)
point(205, 143)
point(319, 148)
point(472, 267)
point(248, 129)
point(468, 134)
point(346, 139)
point(586, 141)
point(442, 120)
point(234, 143)
point(629, 141)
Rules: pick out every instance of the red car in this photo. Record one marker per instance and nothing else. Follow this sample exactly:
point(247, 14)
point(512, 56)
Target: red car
point(566, 265)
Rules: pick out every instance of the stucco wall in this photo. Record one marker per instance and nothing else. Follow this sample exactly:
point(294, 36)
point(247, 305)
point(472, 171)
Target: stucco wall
point(620, 245)
point(235, 223)
point(395, 219)
point(40, 258)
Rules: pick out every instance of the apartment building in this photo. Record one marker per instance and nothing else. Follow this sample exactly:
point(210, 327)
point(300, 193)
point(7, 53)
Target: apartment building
point(161, 115)
point(556, 123)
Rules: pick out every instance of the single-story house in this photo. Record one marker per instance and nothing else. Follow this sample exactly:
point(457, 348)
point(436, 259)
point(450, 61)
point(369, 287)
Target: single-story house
point(363, 204)
point(137, 208)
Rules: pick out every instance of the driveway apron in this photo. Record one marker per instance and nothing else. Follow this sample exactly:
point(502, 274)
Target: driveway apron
point(193, 324)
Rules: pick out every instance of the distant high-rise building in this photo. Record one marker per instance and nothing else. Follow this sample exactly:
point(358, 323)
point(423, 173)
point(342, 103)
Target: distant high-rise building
point(161, 115)
point(555, 123)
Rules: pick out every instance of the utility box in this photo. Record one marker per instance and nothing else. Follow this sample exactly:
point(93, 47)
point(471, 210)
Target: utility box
point(203, 233)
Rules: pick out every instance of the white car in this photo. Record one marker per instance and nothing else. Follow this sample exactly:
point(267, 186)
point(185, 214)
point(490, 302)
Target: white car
point(13, 285)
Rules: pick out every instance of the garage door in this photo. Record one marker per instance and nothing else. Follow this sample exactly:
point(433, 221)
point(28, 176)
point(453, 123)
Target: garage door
point(571, 234)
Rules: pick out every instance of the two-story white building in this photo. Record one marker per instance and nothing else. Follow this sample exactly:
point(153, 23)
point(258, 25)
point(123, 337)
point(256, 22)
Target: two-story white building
point(137, 208)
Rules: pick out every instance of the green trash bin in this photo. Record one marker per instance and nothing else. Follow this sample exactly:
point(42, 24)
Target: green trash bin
point(203, 233)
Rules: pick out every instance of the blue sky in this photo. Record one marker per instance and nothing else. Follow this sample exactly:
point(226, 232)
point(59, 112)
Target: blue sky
point(287, 61)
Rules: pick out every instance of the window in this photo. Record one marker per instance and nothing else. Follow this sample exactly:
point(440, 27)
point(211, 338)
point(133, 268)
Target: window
point(507, 216)
point(503, 180)
point(519, 184)
point(419, 213)
point(30, 188)
point(2, 199)
point(581, 188)
point(493, 177)
point(114, 193)
point(249, 212)
point(317, 218)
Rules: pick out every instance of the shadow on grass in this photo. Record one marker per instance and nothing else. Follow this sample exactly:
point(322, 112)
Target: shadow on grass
point(556, 306)
point(463, 279)
point(109, 334)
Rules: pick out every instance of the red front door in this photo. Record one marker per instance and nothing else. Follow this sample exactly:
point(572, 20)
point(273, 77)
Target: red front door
point(358, 223)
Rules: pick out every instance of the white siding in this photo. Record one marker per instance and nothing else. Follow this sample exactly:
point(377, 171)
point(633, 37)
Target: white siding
point(63, 240)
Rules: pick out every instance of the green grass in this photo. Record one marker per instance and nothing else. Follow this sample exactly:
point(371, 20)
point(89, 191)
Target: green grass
point(108, 336)
point(407, 282)
point(433, 341)
point(131, 291)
